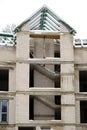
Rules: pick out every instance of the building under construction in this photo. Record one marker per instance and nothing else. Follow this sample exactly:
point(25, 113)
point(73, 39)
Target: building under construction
point(43, 76)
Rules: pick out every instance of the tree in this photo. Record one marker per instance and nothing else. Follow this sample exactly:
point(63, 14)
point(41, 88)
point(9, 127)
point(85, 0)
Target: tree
point(8, 40)
point(9, 28)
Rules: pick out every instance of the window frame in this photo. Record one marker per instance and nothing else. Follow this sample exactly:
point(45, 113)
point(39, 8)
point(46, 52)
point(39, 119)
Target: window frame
point(1, 111)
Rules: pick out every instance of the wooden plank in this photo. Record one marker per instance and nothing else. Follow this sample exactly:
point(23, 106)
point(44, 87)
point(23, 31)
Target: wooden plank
point(49, 36)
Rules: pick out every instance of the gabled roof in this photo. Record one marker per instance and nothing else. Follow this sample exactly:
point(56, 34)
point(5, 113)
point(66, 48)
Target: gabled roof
point(45, 19)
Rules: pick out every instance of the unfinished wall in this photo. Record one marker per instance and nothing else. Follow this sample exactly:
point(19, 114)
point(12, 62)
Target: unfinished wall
point(7, 54)
point(80, 55)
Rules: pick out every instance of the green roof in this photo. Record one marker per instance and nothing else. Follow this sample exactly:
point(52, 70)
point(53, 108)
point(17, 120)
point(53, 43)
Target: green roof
point(45, 19)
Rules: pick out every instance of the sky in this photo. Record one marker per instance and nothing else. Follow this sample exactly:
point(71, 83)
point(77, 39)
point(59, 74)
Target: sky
point(74, 12)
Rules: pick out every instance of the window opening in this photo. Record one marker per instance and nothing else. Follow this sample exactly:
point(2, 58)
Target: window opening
point(31, 72)
point(57, 81)
point(83, 81)
point(3, 111)
point(4, 76)
point(56, 48)
point(31, 54)
point(58, 108)
point(31, 76)
point(57, 54)
point(31, 107)
point(57, 100)
point(26, 128)
point(83, 111)
point(58, 113)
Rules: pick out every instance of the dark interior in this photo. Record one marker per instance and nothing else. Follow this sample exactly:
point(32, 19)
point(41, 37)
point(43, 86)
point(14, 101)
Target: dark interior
point(4, 75)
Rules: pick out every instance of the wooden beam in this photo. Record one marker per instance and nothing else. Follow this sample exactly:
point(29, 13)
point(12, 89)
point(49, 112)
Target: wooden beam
point(49, 36)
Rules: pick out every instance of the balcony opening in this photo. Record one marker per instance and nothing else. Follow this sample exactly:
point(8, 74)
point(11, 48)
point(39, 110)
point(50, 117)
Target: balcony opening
point(83, 111)
point(83, 81)
point(4, 80)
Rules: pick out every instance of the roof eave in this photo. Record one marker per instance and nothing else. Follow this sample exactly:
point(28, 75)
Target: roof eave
point(71, 30)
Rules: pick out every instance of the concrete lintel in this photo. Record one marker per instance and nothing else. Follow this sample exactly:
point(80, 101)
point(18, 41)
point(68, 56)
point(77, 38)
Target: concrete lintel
point(48, 60)
point(81, 96)
point(11, 62)
point(7, 95)
point(41, 123)
point(44, 92)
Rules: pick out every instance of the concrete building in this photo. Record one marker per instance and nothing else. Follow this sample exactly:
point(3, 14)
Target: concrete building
point(43, 76)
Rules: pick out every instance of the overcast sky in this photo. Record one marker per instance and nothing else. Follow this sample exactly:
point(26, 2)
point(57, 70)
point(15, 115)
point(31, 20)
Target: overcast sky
point(74, 12)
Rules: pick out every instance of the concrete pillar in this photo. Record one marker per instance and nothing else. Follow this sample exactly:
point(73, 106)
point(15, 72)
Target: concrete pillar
point(22, 108)
point(12, 81)
point(76, 83)
point(16, 128)
point(38, 128)
point(67, 81)
point(66, 47)
point(22, 69)
point(22, 78)
point(22, 48)
point(78, 111)
point(11, 116)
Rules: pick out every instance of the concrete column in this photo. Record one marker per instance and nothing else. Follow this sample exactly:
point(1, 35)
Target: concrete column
point(38, 128)
point(22, 108)
point(67, 81)
point(16, 128)
point(22, 78)
point(78, 111)
point(12, 81)
point(22, 69)
point(76, 83)
point(11, 113)
point(68, 108)
point(22, 48)
point(66, 47)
